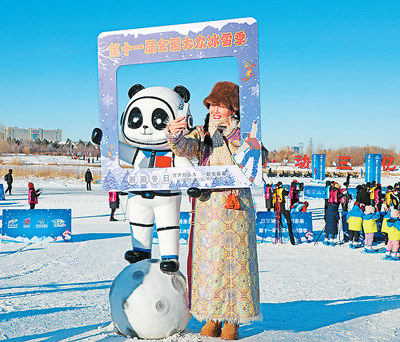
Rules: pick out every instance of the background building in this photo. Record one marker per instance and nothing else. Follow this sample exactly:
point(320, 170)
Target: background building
point(32, 134)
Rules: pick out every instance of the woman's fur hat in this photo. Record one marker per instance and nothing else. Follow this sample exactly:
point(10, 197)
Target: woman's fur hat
point(225, 94)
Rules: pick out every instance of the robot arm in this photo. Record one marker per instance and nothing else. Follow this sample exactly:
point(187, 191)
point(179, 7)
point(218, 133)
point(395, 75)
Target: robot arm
point(182, 162)
point(126, 152)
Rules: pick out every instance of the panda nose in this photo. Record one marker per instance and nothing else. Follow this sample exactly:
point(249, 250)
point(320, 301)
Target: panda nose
point(145, 127)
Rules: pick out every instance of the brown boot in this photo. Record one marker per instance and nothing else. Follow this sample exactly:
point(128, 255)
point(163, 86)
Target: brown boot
point(230, 331)
point(212, 329)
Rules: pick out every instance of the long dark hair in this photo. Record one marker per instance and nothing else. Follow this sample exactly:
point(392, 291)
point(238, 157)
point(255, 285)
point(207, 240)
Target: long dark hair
point(207, 137)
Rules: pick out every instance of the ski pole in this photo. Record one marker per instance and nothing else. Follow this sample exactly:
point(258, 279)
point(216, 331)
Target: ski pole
point(319, 235)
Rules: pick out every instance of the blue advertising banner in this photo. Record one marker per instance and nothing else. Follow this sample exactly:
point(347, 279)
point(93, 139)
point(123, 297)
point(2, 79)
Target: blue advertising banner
point(314, 191)
point(373, 168)
point(318, 167)
point(2, 195)
point(265, 227)
point(34, 225)
point(301, 225)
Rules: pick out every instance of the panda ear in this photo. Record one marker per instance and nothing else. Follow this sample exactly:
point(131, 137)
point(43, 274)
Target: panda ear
point(183, 93)
point(134, 89)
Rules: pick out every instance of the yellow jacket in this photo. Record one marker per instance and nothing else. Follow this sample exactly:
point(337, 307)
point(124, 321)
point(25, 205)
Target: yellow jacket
point(279, 196)
point(355, 223)
point(393, 233)
point(385, 228)
point(388, 199)
point(369, 222)
point(371, 193)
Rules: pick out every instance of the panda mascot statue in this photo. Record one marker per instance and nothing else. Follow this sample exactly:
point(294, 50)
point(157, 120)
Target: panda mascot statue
point(143, 144)
point(151, 290)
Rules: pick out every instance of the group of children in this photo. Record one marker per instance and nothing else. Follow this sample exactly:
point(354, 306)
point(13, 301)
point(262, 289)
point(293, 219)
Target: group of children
point(359, 219)
point(364, 215)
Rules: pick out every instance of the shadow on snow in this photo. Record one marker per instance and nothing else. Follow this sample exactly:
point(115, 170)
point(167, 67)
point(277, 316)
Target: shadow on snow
point(96, 236)
point(53, 288)
point(304, 316)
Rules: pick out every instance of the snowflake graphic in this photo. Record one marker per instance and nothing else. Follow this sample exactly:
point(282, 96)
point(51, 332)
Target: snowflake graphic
point(108, 100)
point(255, 91)
point(104, 58)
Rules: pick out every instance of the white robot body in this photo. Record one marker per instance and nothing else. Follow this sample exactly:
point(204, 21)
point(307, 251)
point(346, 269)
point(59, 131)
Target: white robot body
point(144, 145)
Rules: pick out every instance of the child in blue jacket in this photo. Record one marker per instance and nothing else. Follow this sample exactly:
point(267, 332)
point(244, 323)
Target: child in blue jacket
point(393, 245)
point(331, 224)
point(370, 227)
point(354, 220)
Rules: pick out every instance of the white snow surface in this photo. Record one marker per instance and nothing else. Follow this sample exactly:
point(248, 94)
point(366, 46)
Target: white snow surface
point(309, 292)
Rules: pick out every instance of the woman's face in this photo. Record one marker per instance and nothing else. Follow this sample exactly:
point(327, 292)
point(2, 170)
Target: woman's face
point(219, 112)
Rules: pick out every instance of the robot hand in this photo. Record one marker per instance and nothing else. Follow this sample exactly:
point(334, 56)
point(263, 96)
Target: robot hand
point(97, 135)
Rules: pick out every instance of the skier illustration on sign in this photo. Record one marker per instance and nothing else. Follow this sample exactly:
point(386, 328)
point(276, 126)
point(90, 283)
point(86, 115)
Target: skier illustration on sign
point(252, 149)
point(66, 235)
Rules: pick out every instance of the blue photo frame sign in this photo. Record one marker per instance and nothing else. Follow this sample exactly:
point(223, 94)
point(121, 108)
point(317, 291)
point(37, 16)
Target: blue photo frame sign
point(227, 38)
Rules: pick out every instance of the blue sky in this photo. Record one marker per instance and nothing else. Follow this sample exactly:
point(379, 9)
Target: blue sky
point(329, 70)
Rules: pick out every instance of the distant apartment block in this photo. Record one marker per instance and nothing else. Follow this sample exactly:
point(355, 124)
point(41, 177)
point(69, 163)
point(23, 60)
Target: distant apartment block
point(32, 134)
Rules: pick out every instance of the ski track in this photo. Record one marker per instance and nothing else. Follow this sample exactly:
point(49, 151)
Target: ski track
point(41, 267)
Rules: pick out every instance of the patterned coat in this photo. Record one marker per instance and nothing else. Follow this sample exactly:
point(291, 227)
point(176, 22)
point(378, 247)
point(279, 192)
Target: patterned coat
point(225, 283)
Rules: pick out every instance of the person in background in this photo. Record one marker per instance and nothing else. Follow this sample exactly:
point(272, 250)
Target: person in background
point(88, 179)
point(396, 197)
point(392, 247)
point(391, 200)
point(299, 207)
point(280, 197)
point(269, 195)
point(348, 179)
point(362, 196)
point(354, 221)
point(294, 193)
point(345, 197)
point(370, 227)
point(33, 195)
point(113, 198)
point(378, 197)
point(371, 191)
point(331, 224)
point(327, 193)
point(385, 228)
point(334, 194)
point(9, 180)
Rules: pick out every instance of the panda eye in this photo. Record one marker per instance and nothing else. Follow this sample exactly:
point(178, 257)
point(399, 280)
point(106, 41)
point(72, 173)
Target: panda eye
point(160, 119)
point(135, 118)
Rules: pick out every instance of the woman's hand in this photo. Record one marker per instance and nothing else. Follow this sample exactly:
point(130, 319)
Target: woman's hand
point(177, 125)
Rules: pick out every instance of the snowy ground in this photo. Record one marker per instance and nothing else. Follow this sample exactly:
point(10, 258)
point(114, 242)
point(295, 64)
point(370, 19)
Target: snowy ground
point(59, 291)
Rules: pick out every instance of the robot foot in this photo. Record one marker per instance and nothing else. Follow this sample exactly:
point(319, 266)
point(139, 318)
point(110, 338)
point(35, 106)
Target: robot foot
point(169, 265)
point(136, 256)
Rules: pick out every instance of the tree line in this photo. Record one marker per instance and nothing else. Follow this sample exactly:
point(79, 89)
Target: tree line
point(47, 147)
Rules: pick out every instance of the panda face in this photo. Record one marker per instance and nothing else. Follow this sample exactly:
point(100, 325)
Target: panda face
point(144, 122)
